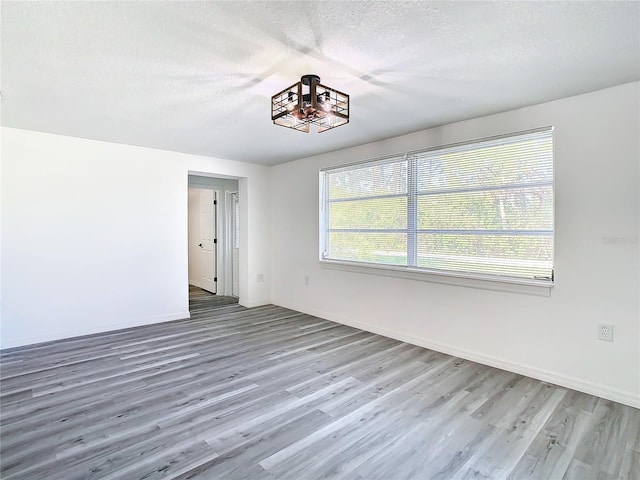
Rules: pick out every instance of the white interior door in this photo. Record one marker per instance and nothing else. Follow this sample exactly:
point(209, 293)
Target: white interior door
point(202, 238)
point(235, 244)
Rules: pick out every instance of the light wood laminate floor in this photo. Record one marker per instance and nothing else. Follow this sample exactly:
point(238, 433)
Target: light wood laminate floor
point(270, 393)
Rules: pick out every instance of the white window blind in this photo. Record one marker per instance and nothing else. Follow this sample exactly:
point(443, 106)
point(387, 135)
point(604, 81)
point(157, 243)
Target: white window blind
point(482, 208)
point(366, 212)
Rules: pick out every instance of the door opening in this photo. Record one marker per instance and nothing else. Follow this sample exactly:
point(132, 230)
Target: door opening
point(214, 281)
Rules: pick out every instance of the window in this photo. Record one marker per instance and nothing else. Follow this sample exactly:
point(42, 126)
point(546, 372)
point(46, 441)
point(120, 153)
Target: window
point(481, 209)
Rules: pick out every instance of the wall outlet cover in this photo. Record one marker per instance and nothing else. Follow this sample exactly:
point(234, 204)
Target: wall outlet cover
point(605, 332)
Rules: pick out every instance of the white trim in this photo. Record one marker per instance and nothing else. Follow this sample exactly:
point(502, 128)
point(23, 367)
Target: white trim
point(528, 287)
point(598, 390)
point(234, 237)
point(97, 329)
point(218, 221)
point(227, 251)
point(259, 303)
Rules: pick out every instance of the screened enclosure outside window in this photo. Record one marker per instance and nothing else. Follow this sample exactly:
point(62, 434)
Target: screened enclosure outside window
point(481, 209)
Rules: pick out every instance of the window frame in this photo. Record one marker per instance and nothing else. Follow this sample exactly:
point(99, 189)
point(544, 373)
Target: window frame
point(411, 270)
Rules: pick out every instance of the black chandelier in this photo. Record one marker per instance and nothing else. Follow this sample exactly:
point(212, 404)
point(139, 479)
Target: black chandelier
point(323, 106)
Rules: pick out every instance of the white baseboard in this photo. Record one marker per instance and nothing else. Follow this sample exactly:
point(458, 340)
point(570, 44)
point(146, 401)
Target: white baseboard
point(259, 303)
point(100, 328)
point(529, 371)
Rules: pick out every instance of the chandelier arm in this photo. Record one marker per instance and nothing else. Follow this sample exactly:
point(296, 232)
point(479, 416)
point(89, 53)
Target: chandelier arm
point(313, 94)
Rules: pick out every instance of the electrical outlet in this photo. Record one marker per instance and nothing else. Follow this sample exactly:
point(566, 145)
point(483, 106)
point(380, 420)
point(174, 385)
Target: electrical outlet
point(260, 278)
point(306, 279)
point(605, 332)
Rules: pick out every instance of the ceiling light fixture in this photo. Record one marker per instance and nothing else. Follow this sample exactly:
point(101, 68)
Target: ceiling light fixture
point(323, 106)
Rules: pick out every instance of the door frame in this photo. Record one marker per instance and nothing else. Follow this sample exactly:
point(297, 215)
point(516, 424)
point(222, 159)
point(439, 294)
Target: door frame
point(230, 274)
point(213, 181)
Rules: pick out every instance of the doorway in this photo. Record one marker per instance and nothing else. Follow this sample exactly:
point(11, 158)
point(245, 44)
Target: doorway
point(213, 240)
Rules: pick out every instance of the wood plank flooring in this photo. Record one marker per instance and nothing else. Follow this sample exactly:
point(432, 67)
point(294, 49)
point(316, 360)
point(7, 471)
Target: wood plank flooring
point(201, 300)
point(270, 393)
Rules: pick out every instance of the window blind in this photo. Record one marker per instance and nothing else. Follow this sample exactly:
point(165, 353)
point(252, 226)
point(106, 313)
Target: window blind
point(476, 208)
point(366, 212)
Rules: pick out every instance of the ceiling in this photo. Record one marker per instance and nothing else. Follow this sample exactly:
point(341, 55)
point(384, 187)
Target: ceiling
point(197, 77)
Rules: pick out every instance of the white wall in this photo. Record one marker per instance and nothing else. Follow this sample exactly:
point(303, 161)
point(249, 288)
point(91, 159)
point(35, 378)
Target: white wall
point(94, 234)
point(597, 255)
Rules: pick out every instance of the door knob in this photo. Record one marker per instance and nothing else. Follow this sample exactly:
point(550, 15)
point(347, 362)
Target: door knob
point(200, 245)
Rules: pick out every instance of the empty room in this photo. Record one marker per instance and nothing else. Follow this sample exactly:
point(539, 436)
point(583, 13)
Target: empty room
point(320, 240)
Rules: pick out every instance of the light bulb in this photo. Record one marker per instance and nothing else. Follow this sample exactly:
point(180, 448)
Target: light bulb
point(290, 103)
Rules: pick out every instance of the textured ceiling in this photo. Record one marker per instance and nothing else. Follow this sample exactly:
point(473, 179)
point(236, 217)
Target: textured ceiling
point(197, 77)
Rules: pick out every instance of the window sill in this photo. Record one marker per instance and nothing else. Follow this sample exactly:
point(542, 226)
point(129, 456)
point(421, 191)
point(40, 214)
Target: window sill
point(510, 285)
